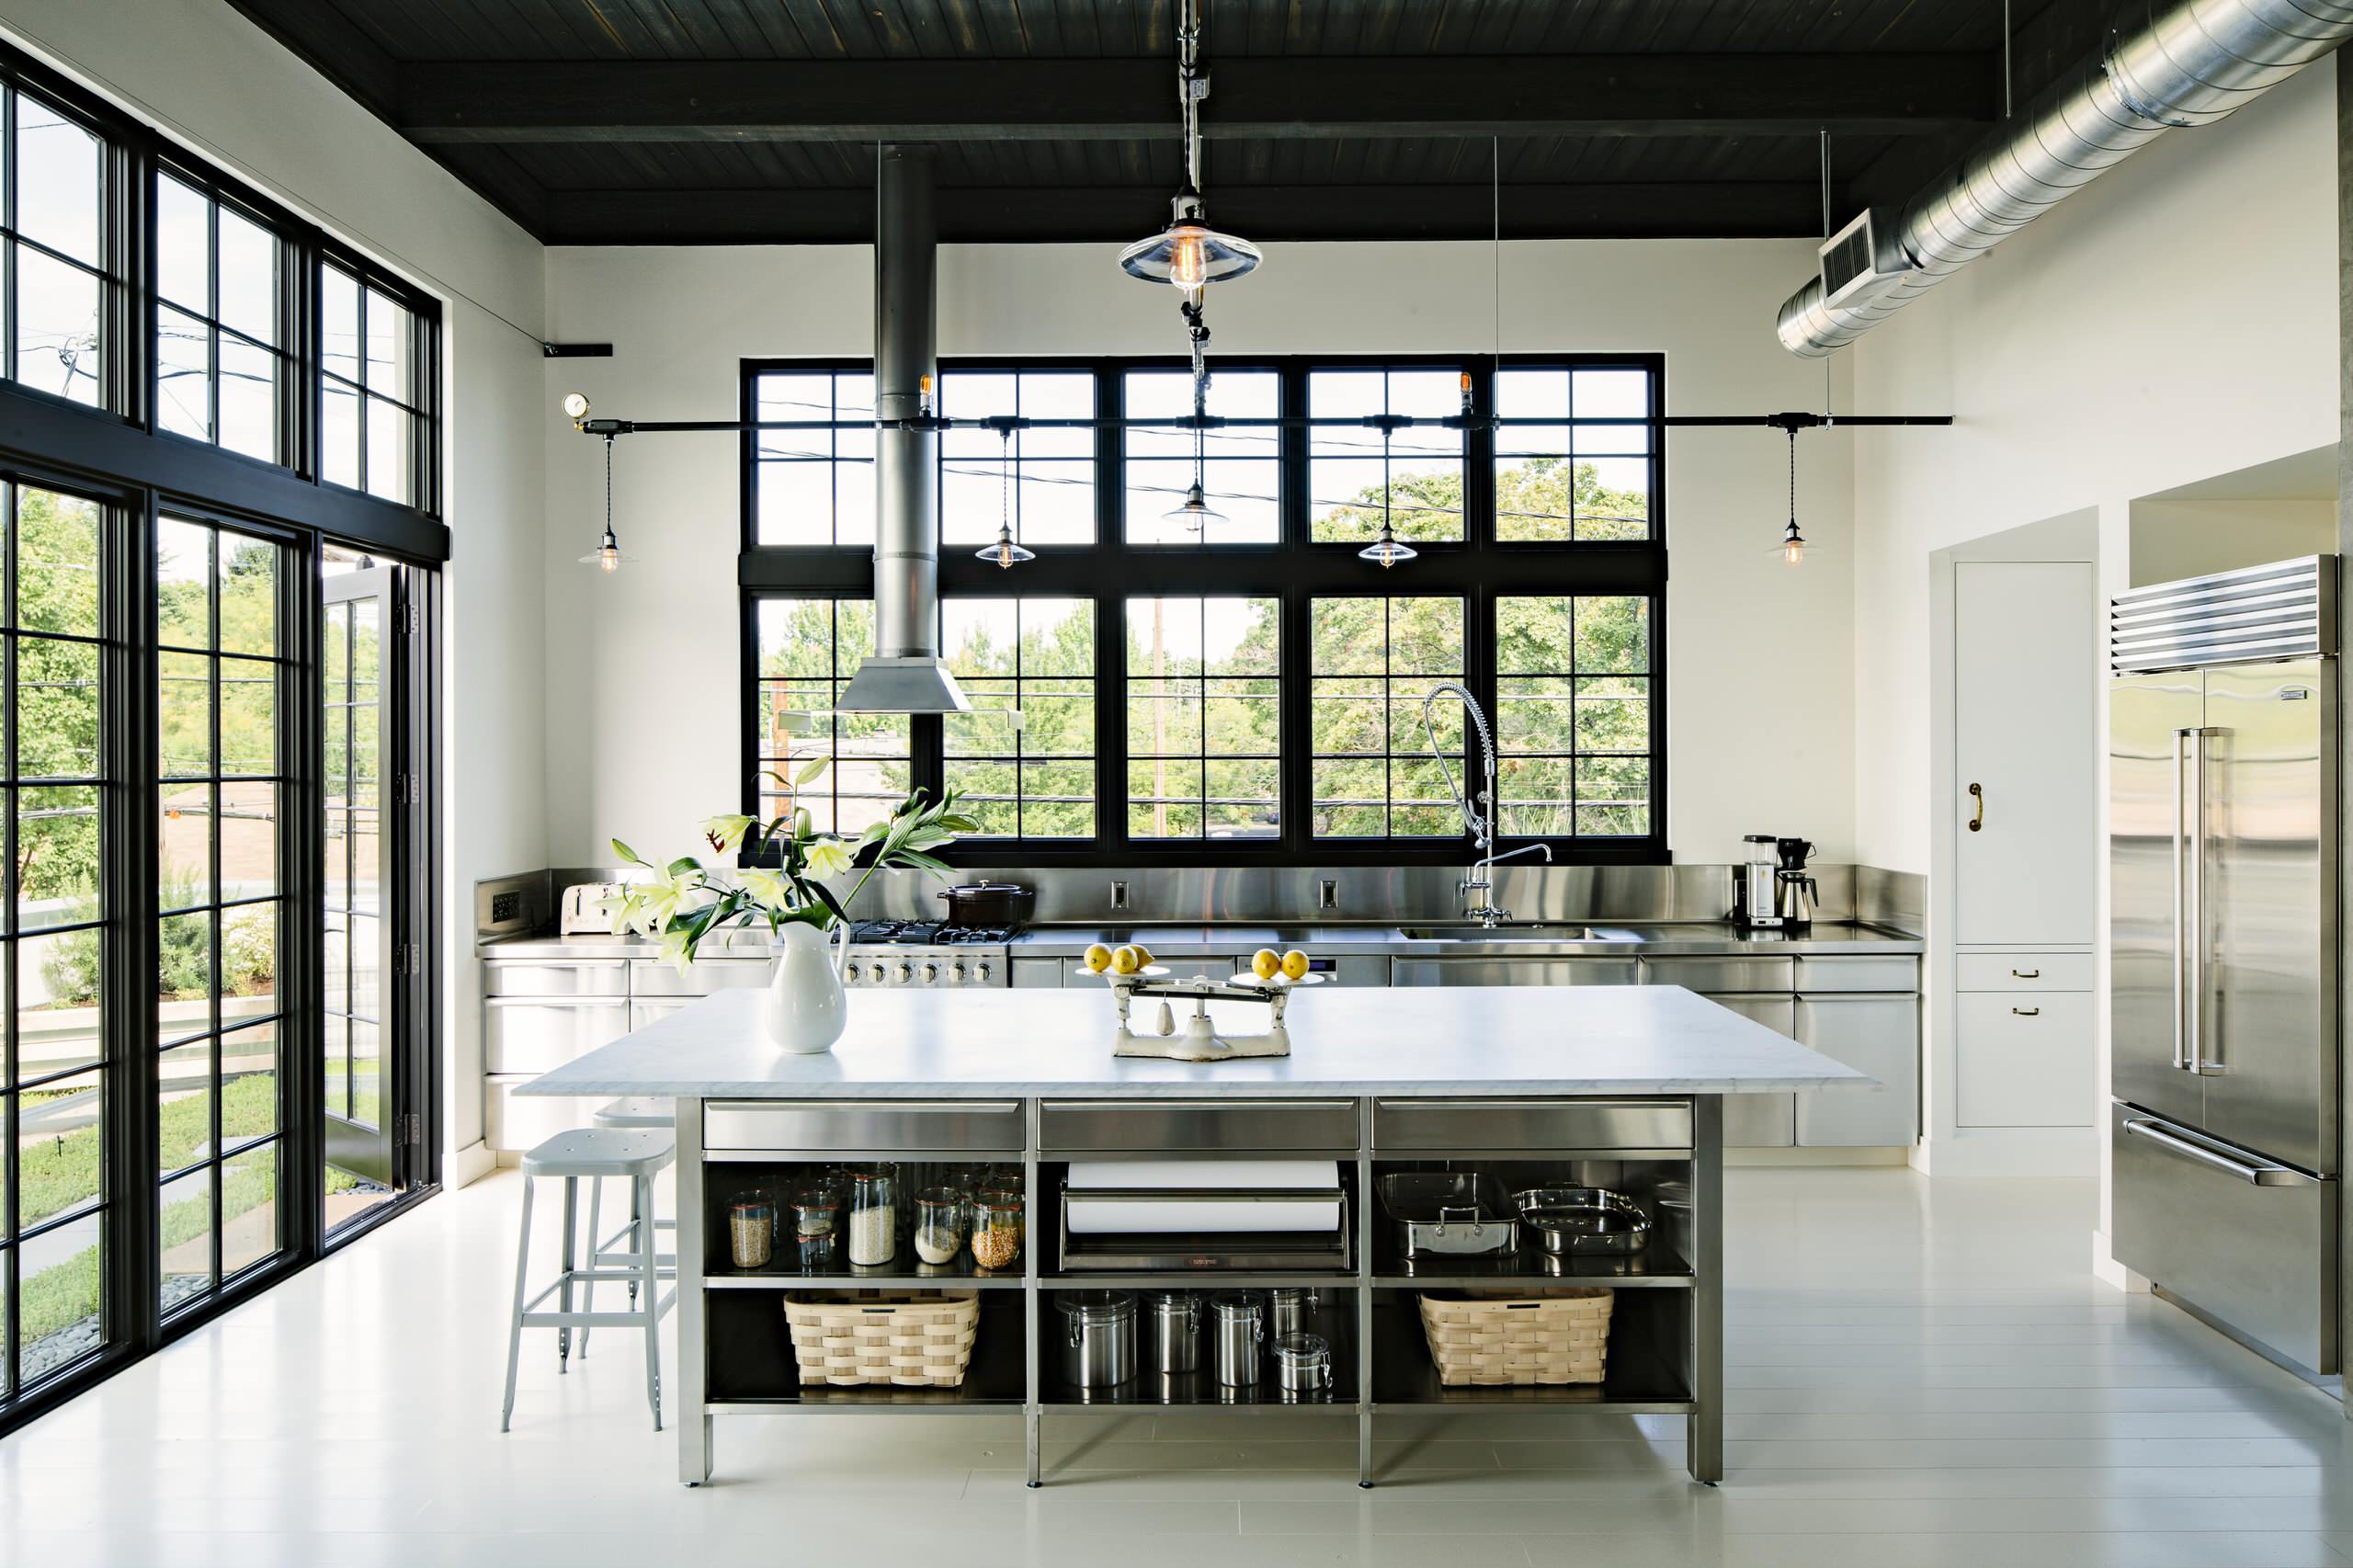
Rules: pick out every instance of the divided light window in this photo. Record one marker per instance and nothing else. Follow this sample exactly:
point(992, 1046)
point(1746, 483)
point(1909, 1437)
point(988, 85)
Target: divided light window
point(814, 486)
point(1024, 756)
point(53, 1216)
point(808, 650)
point(373, 390)
point(222, 679)
point(1204, 718)
point(220, 323)
point(1417, 473)
point(1571, 480)
point(52, 249)
point(1573, 716)
point(1051, 498)
point(1242, 462)
point(1371, 663)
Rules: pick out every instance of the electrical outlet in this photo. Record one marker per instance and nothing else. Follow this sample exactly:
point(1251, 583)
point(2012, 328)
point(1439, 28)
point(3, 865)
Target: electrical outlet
point(1327, 894)
point(505, 907)
point(1118, 895)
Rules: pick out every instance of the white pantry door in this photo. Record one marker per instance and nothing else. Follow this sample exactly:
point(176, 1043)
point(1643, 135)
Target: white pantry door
point(2023, 718)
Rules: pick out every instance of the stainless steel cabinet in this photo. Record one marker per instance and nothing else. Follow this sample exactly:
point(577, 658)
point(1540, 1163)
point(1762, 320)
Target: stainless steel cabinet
point(1762, 1121)
point(1878, 1033)
point(1513, 971)
point(539, 1034)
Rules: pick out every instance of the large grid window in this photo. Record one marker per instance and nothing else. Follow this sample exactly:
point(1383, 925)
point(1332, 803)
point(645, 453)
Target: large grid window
point(52, 249)
point(54, 1215)
point(814, 486)
point(1416, 476)
point(373, 390)
point(1051, 499)
point(1572, 479)
point(1024, 756)
point(1573, 716)
point(1242, 464)
point(1204, 718)
point(354, 1003)
point(809, 649)
point(221, 680)
point(220, 323)
point(1372, 660)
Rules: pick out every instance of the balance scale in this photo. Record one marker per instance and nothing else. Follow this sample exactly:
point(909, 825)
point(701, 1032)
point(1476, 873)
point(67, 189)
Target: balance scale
point(1199, 1040)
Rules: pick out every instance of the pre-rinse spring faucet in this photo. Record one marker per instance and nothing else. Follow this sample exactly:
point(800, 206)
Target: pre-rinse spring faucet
point(1476, 883)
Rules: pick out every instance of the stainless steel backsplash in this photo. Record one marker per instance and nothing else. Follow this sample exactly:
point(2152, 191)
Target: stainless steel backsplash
point(1295, 896)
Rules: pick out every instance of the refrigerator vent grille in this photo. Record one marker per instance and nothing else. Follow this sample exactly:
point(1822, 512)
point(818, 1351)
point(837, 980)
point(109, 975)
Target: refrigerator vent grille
point(2283, 611)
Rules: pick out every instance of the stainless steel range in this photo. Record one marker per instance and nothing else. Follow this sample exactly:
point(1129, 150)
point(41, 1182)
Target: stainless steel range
point(927, 952)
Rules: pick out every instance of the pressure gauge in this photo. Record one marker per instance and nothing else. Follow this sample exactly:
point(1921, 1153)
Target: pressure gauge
point(576, 407)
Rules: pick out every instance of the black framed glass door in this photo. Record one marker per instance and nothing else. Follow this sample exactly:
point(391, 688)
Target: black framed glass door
point(358, 614)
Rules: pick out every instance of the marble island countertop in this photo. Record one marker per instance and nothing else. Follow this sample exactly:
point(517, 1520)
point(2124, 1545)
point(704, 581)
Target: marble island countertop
point(1517, 1040)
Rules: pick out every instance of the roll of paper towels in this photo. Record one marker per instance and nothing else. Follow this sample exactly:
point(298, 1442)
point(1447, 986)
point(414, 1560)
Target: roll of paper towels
point(1112, 1216)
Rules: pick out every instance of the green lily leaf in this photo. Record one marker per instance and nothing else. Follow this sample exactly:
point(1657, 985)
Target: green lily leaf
point(811, 770)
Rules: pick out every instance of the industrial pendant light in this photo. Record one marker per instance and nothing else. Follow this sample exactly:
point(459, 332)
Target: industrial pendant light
point(1388, 550)
point(1004, 553)
point(1188, 252)
point(1194, 513)
point(607, 557)
point(1793, 543)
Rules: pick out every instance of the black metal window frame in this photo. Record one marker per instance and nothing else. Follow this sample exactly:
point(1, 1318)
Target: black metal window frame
point(1479, 568)
point(114, 454)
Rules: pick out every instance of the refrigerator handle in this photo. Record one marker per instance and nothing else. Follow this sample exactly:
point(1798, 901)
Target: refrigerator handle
point(2202, 1062)
point(2255, 1174)
point(2180, 911)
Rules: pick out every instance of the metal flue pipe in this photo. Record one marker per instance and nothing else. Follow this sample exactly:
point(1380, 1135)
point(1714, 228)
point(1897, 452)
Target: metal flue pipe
point(2165, 64)
point(904, 674)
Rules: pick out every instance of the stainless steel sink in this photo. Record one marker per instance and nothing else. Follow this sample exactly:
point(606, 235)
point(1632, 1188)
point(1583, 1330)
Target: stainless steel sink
point(1514, 931)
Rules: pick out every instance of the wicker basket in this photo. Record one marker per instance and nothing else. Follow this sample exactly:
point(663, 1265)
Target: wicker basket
point(1505, 1337)
point(912, 1338)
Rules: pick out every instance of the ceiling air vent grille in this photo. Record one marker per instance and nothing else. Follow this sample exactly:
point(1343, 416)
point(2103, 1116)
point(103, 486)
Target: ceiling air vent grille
point(1861, 259)
point(2284, 610)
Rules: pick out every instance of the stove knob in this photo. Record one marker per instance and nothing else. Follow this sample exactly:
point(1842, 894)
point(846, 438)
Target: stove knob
point(931, 974)
point(981, 974)
point(906, 972)
point(956, 973)
point(850, 974)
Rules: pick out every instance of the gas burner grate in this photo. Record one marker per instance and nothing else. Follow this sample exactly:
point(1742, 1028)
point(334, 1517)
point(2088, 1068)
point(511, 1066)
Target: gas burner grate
point(929, 933)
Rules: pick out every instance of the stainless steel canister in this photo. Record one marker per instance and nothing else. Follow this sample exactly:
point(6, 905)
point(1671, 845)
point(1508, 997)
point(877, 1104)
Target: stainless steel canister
point(1303, 1364)
point(1099, 1345)
point(1237, 1326)
point(1674, 1202)
point(1294, 1308)
point(1172, 1331)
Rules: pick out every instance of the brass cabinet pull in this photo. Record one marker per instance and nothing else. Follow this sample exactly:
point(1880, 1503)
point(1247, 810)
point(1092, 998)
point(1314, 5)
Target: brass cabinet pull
point(1977, 822)
point(2027, 1012)
point(2026, 974)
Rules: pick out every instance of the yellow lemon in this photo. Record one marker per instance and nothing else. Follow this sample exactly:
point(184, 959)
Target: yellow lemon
point(1143, 954)
point(1124, 960)
point(1264, 962)
point(1295, 965)
point(1097, 959)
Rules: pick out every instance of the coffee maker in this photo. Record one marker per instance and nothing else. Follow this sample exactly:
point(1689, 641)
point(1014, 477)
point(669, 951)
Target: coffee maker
point(1754, 902)
point(1796, 895)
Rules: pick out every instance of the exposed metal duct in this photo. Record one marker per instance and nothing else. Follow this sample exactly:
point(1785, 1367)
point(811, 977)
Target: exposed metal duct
point(904, 673)
point(2165, 63)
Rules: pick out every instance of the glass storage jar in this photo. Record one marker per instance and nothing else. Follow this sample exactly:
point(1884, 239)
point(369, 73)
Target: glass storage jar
point(996, 1228)
point(751, 1233)
point(939, 1224)
point(873, 1215)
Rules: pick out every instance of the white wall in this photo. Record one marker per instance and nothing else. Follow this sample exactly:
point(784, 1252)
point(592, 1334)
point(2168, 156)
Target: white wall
point(2171, 539)
point(643, 708)
point(204, 74)
point(2174, 321)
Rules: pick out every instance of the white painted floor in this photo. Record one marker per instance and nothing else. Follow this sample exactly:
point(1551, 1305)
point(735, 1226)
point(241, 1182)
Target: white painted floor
point(1918, 1375)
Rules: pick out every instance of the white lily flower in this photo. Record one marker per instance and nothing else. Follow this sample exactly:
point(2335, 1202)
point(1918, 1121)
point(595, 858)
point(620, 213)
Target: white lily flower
point(828, 857)
point(727, 832)
point(769, 890)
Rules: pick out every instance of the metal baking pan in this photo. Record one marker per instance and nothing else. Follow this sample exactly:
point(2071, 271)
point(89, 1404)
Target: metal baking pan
point(1583, 1222)
point(1449, 1214)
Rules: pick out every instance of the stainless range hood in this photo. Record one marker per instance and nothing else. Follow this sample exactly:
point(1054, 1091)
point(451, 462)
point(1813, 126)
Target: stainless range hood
point(904, 673)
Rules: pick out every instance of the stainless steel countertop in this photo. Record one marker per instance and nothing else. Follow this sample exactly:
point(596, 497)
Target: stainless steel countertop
point(1561, 939)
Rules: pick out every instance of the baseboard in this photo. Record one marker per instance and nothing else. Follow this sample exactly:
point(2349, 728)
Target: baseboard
point(1819, 1157)
point(470, 1163)
point(2066, 1154)
point(2107, 1271)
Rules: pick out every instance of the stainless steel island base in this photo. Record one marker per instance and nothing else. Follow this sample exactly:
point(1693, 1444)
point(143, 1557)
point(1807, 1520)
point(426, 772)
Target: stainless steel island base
point(1667, 1343)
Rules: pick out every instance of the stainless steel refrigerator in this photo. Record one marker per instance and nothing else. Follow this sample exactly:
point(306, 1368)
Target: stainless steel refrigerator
point(2222, 859)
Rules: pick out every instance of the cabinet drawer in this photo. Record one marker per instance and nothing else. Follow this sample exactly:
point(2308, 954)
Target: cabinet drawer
point(1483, 1124)
point(1192, 1127)
point(645, 1010)
point(509, 979)
point(818, 1125)
point(1894, 973)
point(2024, 1058)
point(1734, 974)
point(538, 1035)
point(1514, 972)
point(516, 1124)
point(1761, 1121)
point(647, 978)
point(1875, 1034)
point(2023, 972)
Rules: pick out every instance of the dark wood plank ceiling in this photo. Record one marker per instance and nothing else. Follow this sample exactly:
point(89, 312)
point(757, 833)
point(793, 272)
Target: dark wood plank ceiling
point(680, 121)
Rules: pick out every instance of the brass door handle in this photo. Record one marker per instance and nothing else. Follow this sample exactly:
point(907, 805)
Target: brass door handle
point(1977, 822)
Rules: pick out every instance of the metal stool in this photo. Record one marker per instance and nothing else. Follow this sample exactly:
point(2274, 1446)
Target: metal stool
point(639, 1111)
point(591, 1154)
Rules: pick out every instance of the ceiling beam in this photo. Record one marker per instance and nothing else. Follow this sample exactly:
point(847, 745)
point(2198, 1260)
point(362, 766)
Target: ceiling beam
point(1716, 210)
point(1288, 100)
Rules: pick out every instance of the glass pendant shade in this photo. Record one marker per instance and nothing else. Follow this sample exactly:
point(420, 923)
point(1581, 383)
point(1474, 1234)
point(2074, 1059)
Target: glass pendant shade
point(1004, 553)
point(1194, 512)
point(1388, 550)
point(607, 556)
point(1188, 252)
point(1793, 546)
